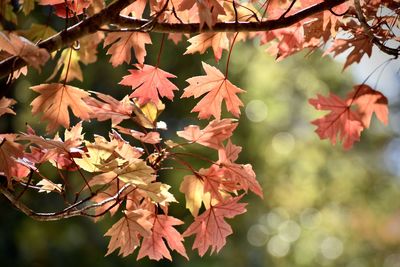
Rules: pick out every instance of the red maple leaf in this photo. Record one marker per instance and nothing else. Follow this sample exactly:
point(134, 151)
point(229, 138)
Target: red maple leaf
point(154, 246)
point(360, 45)
point(341, 123)
point(210, 227)
point(216, 88)
point(369, 101)
point(243, 176)
point(73, 7)
point(148, 82)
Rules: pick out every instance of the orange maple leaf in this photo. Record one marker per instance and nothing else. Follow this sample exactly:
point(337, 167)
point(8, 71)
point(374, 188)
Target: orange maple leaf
point(340, 124)
point(10, 152)
point(54, 100)
point(5, 104)
point(369, 101)
point(210, 227)
point(123, 42)
point(199, 43)
point(148, 82)
point(207, 10)
point(212, 135)
point(109, 108)
point(154, 246)
point(25, 49)
point(126, 232)
point(217, 88)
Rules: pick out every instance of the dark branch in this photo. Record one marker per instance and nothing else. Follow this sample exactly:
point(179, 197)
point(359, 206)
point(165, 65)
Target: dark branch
point(254, 26)
point(64, 214)
point(69, 36)
point(360, 16)
point(110, 16)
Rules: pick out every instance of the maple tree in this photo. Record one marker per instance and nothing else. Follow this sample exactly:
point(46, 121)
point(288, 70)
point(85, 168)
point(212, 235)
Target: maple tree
point(121, 177)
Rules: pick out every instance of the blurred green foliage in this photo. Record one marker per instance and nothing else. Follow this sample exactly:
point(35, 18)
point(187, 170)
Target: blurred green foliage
point(322, 206)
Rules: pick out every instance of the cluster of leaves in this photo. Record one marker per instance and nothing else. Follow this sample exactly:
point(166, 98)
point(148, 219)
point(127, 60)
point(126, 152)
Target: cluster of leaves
point(116, 175)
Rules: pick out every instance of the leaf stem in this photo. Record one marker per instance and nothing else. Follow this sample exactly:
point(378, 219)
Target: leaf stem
point(161, 49)
point(229, 55)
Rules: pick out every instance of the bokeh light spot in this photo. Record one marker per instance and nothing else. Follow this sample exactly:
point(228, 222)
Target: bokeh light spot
point(310, 218)
point(331, 247)
point(256, 111)
point(283, 143)
point(289, 231)
point(257, 235)
point(278, 247)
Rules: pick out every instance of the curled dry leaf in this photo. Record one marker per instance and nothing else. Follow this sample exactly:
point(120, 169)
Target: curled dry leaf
point(23, 48)
point(5, 105)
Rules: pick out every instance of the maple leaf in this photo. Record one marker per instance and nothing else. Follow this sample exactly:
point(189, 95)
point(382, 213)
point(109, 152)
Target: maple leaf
point(126, 232)
point(290, 41)
point(208, 10)
point(10, 152)
point(23, 48)
point(54, 101)
point(369, 101)
point(5, 105)
point(101, 155)
point(48, 186)
point(122, 42)
point(360, 45)
point(150, 137)
point(37, 32)
point(229, 153)
point(135, 9)
point(157, 192)
point(200, 43)
point(148, 83)
point(340, 124)
point(69, 63)
point(193, 188)
point(154, 246)
point(111, 108)
point(70, 8)
point(217, 88)
point(210, 227)
point(60, 153)
point(242, 175)
point(213, 183)
point(212, 135)
point(136, 172)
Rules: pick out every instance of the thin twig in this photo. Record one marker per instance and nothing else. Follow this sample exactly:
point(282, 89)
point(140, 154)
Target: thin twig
point(388, 50)
point(110, 15)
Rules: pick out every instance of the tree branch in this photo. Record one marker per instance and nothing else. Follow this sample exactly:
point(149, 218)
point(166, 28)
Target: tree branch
point(110, 15)
point(64, 214)
point(388, 50)
point(69, 36)
point(232, 26)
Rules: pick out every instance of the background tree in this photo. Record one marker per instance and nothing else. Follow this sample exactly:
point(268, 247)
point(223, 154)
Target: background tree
point(221, 175)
